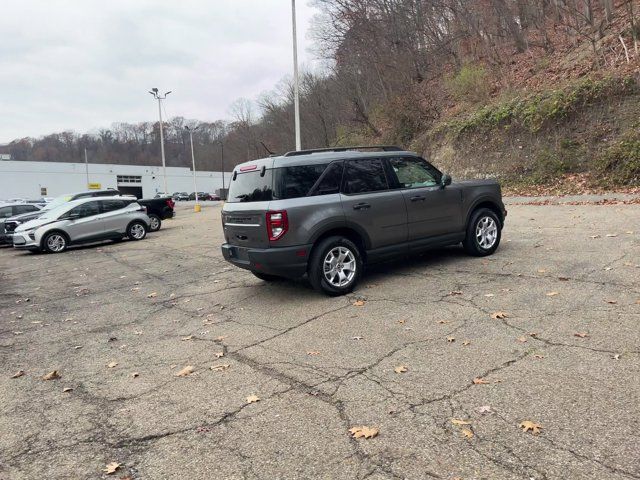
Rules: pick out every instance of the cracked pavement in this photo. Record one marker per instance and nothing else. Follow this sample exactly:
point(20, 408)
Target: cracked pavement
point(90, 306)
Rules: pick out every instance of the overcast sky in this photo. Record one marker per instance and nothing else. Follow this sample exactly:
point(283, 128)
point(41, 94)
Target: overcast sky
point(84, 64)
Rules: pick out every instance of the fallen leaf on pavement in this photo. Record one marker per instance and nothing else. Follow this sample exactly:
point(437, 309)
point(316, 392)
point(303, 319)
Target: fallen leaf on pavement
point(616, 356)
point(552, 294)
point(51, 376)
point(522, 339)
point(612, 302)
point(111, 468)
point(612, 234)
point(220, 368)
point(358, 303)
point(480, 381)
point(135, 374)
point(542, 270)
point(489, 295)
point(595, 236)
point(18, 374)
point(77, 347)
point(538, 356)
point(313, 353)
point(442, 322)
point(185, 339)
point(67, 389)
point(152, 295)
point(366, 432)
point(455, 292)
point(467, 433)
point(186, 371)
point(529, 425)
point(253, 399)
point(220, 338)
point(499, 315)
point(457, 421)
point(466, 342)
point(484, 409)
point(401, 321)
point(581, 334)
point(112, 364)
point(400, 369)
point(356, 338)
point(219, 354)
point(451, 339)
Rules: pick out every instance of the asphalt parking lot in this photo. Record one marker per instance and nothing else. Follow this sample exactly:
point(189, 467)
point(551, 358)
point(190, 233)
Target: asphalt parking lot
point(280, 374)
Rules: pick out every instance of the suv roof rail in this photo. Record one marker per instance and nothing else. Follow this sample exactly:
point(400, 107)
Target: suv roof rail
point(384, 148)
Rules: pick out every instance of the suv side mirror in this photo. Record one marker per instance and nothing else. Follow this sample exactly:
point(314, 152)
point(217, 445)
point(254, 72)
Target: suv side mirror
point(445, 180)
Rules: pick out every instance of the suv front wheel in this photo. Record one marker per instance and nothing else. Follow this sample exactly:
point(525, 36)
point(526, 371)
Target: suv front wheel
point(483, 233)
point(335, 266)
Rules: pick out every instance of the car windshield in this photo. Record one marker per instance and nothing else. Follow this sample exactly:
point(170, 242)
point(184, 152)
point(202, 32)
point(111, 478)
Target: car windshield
point(61, 200)
point(52, 213)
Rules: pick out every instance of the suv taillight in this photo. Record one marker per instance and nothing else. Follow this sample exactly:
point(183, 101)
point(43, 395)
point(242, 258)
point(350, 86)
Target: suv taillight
point(170, 203)
point(277, 224)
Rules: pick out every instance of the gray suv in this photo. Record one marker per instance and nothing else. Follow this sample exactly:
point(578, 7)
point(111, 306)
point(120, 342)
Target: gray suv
point(326, 213)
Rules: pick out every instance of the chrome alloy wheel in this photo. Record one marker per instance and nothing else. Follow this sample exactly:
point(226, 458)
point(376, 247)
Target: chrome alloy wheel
point(339, 266)
point(486, 232)
point(154, 223)
point(137, 231)
point(56, 243)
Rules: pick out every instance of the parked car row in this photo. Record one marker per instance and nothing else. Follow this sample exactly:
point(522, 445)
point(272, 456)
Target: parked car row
point(204, 196)
point(83, 217)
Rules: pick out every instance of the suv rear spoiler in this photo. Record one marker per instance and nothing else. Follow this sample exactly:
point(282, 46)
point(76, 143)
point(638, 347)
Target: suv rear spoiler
point(384, 148)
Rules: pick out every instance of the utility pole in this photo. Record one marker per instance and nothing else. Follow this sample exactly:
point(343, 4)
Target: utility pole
point(193, 161)
point(157, 96)
point(222, 162)
point(296, 88)
point(86, 165)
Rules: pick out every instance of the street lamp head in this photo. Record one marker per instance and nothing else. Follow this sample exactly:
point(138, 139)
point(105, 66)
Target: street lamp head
point(154, 90)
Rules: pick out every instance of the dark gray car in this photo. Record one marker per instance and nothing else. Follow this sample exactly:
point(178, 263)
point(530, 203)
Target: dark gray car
point(325, 213)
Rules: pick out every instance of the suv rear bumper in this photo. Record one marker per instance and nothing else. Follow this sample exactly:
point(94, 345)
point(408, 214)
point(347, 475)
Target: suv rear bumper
point(288, 262)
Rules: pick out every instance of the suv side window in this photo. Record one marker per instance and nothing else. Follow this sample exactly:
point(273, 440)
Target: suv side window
point(366, 175)
point(413, 172)
point(85, 210)
point(111, 205)
point(330, 180)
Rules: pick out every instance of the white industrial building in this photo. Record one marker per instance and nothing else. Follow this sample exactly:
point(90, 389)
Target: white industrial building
point(49, 179)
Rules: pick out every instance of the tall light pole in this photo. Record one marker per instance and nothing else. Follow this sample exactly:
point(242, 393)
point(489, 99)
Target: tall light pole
point(296, 88)
point(86, 165)
point(222, 193)
point(193, 161)
point(157, 96)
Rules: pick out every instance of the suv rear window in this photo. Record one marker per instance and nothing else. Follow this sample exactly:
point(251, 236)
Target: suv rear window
point(251, 187)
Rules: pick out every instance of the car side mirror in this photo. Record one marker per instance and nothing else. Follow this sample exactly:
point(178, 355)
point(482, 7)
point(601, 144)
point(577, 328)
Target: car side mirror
point(446, 180)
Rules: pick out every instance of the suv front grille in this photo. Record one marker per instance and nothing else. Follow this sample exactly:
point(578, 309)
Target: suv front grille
point(11, 226)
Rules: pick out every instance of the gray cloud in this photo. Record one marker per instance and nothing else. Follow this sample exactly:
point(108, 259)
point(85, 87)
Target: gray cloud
point(81, 65)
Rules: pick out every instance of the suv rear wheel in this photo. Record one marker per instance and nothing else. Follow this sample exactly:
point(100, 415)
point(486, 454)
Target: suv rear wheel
point(335, 266)
point(483, 233)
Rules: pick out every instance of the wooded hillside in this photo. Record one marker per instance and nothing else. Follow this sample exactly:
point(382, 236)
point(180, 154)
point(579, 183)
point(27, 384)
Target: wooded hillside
point(524, 89)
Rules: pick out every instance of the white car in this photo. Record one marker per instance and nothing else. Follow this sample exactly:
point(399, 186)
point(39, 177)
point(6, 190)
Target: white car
point(83, 221)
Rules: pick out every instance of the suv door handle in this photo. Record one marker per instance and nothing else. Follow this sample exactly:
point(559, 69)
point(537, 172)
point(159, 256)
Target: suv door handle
point(418, 198)
point(361, 206)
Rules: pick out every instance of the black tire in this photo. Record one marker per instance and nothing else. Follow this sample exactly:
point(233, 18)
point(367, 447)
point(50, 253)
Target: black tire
point(476, 242)
point(266, 277)
point(137, 230)
point(55, 242)
point(154, 223)
point(316, 272)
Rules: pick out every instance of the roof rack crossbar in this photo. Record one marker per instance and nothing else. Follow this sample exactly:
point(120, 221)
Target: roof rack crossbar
point(384, 148)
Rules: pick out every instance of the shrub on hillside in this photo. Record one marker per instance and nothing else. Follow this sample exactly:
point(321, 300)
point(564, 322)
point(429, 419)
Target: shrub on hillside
point(471, 84)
